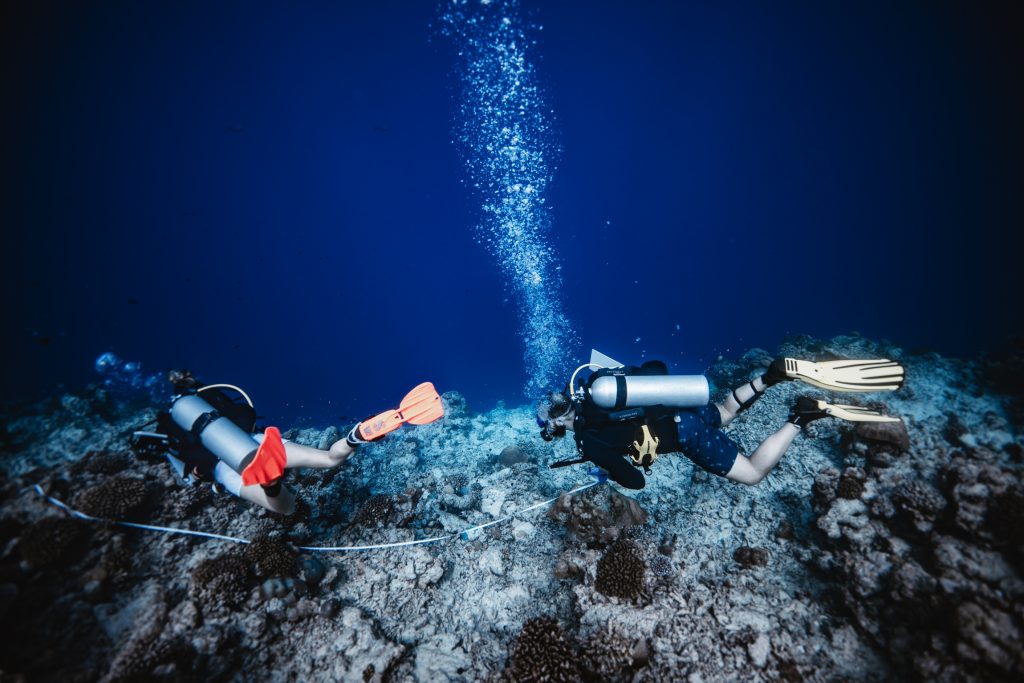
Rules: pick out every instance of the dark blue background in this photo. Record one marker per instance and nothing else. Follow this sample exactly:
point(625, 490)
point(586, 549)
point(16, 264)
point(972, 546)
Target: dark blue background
point(268, 193)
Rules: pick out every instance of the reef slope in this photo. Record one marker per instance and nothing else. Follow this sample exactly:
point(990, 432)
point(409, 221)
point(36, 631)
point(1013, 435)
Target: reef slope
point(868, 554)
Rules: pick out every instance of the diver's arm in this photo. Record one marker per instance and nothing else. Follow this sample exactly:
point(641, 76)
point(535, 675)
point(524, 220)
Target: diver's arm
point(619, 471)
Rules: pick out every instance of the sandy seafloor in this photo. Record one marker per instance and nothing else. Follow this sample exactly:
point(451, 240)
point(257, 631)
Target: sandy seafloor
point(869, 553)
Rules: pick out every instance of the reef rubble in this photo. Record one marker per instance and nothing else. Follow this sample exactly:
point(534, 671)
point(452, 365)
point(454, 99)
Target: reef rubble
point(871, 553)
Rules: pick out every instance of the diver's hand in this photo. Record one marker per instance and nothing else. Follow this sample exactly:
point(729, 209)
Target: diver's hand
point(598, 474)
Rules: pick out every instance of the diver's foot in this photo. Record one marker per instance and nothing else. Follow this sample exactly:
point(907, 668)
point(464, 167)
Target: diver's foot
point(805, 411)
point(354, 439)
point(776, 373)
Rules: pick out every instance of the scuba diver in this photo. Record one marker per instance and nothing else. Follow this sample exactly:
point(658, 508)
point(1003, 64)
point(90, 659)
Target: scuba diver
point(643, 412)
point(209, 437)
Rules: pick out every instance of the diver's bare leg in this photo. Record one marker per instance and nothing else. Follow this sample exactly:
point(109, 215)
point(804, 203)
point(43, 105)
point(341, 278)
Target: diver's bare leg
point(752, 470)
point(740, 398)
point(283, 503)
point(305, 456)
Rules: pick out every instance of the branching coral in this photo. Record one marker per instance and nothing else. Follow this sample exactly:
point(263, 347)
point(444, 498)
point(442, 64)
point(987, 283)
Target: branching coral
point(376, 511)
point(106, 462)
point(46, 540)
point(608, 655)
point(543, 651)
point(620, 572)
point(271, 557)
point(138, 659)
point(116, 498)
point(221, 580)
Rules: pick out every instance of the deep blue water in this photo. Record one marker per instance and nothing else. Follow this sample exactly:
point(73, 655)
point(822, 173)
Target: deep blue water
point(269, 193)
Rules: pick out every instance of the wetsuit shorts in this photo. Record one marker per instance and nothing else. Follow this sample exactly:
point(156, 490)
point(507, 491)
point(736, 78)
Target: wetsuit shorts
point(702, 440)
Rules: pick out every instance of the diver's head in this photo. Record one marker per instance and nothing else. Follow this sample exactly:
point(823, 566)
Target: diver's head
point(182, 380)
point(555, 415)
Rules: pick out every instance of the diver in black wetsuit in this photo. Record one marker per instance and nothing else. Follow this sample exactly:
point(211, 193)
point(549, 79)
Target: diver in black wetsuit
point(620, 442)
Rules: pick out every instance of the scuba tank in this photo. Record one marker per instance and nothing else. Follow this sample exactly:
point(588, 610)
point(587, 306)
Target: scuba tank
point(615, 386)
point(230, 443)
point(618, 390)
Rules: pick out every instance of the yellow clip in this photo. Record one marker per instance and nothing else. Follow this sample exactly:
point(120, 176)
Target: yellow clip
point(647, 452)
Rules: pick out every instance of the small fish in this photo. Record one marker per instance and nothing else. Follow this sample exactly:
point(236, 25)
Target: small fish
point(133, 301)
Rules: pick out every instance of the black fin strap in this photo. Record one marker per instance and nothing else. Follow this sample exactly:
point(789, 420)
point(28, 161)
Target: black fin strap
point(750, 401)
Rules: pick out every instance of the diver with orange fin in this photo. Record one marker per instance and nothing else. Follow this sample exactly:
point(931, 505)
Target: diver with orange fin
point(207, 435)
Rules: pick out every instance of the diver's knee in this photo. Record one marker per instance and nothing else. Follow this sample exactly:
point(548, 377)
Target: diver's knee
point(743, 472)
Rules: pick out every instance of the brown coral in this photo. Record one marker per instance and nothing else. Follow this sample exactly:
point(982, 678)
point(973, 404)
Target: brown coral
point(375, 511)
point(1006, 516)
point(620, 572)
point(851, 485)
point(748, 557)
point(920, 503)
point(271, 557)
point(542, 652)
point(608, 655)
point(116, 498)
point(138, 659)
point(597, 519)
point(106, 462)
point(46, 540)
point(221, 580)
point(117, 565)
point(187, 501)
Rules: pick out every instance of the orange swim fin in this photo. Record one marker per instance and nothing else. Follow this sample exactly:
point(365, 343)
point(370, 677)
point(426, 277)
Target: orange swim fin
point(420, 406)
point(268, 464)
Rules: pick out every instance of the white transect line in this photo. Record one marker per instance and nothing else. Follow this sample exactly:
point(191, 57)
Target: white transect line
point(338, 548)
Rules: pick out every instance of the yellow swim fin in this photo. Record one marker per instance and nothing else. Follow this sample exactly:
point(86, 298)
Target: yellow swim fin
point(848, 375)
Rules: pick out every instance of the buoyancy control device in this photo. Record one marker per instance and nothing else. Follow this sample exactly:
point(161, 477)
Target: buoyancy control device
point(219, 435)
point(625, 393)
point(204, 427)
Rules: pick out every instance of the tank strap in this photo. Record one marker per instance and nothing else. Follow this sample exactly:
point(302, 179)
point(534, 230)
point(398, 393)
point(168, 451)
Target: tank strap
point(203, 421)
point(620, 391)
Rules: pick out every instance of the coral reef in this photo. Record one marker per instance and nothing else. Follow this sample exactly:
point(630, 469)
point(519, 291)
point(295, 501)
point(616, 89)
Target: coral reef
point(747, 557)
point(543, 652)
point(376, 511)
point(221, 581)
point(620, 571)
point(922, 571)
point(271, 557)
point(872, 552)
point(599, 519)
point(117, 498)
point(608, 655)
point(106, 462)
point(46, 540)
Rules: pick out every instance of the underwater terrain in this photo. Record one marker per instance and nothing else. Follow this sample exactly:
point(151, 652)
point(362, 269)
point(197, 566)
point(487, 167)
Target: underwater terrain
point(325, 203)
point(872, 552)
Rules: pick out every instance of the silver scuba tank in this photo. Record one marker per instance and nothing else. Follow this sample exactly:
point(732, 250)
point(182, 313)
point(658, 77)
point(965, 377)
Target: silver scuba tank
point(615, 392)
point(230, 443)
